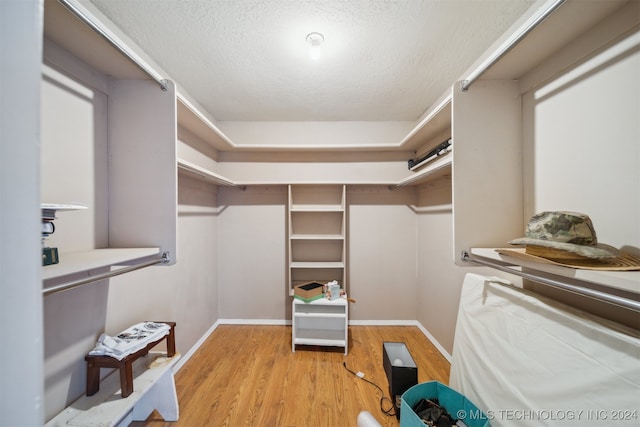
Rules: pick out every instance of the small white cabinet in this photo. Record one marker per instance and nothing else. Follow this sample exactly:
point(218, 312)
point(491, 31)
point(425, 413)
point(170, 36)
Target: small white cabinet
point(320, 322)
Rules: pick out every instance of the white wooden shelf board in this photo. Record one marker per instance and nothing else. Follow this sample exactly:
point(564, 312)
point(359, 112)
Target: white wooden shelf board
point(107, 407)
point(436, 120)
point(337, 315)
point(317, 237)
point(317, 208)
point(623, 280)
point(440, 165)
point(317, 264)
point(77, 262)
point(204, 173)
point(333, 337)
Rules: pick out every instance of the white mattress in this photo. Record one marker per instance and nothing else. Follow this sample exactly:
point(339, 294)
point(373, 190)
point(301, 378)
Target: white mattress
point(530, 361)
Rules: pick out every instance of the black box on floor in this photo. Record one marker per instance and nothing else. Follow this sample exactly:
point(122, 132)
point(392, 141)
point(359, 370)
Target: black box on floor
point(401, 370)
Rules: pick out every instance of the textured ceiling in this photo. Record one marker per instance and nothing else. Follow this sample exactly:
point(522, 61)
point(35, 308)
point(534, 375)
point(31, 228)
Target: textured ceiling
point(247, 60)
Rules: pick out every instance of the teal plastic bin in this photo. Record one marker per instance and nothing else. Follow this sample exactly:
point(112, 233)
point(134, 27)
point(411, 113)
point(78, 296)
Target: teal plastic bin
point(457, 405)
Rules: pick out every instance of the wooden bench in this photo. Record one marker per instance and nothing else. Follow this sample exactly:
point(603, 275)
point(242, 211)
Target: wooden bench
point(150, 380)
point(124, 366)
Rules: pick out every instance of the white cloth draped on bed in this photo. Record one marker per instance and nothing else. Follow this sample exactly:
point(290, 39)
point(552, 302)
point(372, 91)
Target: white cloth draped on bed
point(528, 360)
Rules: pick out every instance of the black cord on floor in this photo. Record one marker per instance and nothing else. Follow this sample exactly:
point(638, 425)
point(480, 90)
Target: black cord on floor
point(390, 411)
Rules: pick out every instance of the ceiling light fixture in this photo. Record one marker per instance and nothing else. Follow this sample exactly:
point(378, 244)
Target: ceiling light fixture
point(315, 40)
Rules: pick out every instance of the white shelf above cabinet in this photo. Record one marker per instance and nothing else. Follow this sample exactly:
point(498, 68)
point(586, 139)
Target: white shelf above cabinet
point(317, 208)
point(317, 264)
point(316, 234)
point(317, 237)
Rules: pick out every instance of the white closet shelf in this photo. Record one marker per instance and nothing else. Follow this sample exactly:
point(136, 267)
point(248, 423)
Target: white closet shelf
point(324, 337)
point(317, 237)
point(435, 121)
point(206, 174)
point(328, 315)
point(433, 170)
point(190, 117)
point(314, 264)
point(86, 262)
point(628, 281)
point(317, 208)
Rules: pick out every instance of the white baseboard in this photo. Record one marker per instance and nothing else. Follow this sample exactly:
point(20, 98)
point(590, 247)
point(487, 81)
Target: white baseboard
point(254, 322)
point(195, 347)
point(382, 322)
point(282, 322)
point(426, 333)
point(435, 342)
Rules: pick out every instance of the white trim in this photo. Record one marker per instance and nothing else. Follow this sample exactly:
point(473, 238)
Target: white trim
point(383, 322)
point(195, 347)
point(254, 322)
point(426, 333)
point(435, 342)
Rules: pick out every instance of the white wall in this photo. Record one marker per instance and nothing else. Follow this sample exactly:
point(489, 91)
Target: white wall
point(382, 259)
point(582, 137)
point(251, 245)
point(253, 262)
point(21, 366)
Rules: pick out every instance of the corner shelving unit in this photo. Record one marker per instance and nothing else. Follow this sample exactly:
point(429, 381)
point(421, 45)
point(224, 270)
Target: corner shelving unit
point(317, 252)
point(317, 234)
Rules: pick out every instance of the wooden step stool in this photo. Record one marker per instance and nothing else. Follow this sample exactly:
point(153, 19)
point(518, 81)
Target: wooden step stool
point(125, 366)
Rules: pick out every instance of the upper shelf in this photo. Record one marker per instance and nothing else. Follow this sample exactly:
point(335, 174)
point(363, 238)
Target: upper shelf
point(435, 125)
point(627, 281)
point(193, 120)
point(206, 174)
point(88, 265)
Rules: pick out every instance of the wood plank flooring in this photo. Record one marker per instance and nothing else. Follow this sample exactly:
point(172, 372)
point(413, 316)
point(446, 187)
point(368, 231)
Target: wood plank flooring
point(246, 375)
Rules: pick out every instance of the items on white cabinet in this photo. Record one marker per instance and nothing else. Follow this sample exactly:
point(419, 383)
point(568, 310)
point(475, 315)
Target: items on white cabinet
point(333, 290)
point(308, 292)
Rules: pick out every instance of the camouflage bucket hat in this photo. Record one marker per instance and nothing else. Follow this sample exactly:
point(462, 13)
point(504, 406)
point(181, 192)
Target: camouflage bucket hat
point(567, 234)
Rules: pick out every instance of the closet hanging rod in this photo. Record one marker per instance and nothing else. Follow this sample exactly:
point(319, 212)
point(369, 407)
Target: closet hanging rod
point(509, 45)
point(74, 284)
point(87, 20)
point(556, 283)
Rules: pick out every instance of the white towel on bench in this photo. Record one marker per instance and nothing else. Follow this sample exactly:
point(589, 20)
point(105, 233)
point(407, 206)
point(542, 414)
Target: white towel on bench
point(130, 340)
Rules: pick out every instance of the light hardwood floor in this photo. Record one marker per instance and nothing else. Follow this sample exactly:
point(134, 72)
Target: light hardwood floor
point(246, 375)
